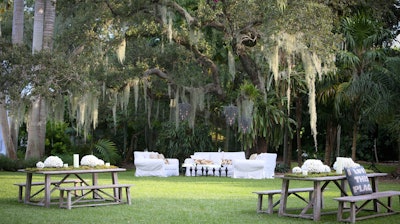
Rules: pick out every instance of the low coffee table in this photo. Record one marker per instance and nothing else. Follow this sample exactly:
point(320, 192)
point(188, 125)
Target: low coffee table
point(205, 169)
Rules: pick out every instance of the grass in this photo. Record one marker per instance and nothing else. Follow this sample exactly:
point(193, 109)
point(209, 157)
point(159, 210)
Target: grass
point(170, 200)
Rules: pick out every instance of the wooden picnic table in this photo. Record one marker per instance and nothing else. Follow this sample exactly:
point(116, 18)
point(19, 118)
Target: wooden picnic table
point(319, 185)
point(65, 174)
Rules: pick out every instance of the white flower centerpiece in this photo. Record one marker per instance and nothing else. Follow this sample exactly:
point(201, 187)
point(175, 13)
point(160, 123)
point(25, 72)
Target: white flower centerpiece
point(344, 162)
point(315, 166)
point(296, 170)
point(92, 161)
point(40, 165)
point(51, 161)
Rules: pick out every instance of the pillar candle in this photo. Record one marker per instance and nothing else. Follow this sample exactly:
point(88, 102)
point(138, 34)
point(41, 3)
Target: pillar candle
point(339, 166)
point(76, 160)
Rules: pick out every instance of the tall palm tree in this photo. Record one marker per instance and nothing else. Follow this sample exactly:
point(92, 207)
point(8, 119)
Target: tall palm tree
point(43, 29)
point(363, 52)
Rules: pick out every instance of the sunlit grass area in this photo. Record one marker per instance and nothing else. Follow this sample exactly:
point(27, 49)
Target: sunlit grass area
point(172, 200)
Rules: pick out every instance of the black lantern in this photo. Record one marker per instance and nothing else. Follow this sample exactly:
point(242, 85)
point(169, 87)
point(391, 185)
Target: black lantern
point(184, 110)
point(230, 113)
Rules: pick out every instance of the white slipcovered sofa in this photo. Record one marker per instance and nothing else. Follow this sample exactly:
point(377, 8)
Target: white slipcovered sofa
point(262, 166)
point(154, 164)
point(236, 164)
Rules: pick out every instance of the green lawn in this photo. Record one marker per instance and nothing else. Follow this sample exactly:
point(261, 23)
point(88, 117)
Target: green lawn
point(170, 200)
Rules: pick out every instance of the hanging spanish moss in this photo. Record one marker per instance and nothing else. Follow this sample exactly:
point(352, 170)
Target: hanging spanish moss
point(274, 62)
point(121, 51)
point(86, 110)
point(135, 84)
point(95, 111)
point(124, 97)
point(231, 64)
point(230, 113)
point(57, 108)
point(288, 47)
point(170, 27)
point(310, 78)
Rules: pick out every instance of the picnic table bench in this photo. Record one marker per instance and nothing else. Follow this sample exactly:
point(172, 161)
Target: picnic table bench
point(366, 198)
point(54, 183)
point(98, 200)
point(271, 193)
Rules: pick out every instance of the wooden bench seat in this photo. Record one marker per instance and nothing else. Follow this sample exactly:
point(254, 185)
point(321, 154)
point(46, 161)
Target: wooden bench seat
point(98, 193)
point(354, 209)
point(55, 183)
point(271, 193)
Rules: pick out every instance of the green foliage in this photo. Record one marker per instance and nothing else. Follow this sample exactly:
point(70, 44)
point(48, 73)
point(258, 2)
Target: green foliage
point(8, 164)
point(57, 139)
point(106, 150)
point(182, 141)
point(282, 168)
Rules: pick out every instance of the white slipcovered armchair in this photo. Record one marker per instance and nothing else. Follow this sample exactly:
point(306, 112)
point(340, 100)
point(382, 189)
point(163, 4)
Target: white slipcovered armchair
point(154, 164)
point(262, 166)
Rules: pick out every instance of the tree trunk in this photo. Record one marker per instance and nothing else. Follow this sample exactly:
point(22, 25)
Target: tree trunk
point(338, 135)
point(354, 142)
point(38, 24)
point(43, 30)
point(286, 147)
point(5, 129)
point(331, 132)
point(49, 21)
point(33, 148)
point(18, 22)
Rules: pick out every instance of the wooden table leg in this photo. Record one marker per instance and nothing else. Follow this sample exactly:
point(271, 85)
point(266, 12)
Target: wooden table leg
point(114, 177)
point(317, 201)
point(284, 196)
point(375, 189)
point(47, 190)
point(28, 188)
point(95, 182)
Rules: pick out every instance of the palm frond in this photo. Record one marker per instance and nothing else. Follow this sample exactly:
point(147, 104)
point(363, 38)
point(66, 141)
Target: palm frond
point(106, 150)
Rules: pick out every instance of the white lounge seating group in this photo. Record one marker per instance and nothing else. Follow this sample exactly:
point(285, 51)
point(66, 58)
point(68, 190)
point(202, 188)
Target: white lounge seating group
point(234, 163)
point(230, 164)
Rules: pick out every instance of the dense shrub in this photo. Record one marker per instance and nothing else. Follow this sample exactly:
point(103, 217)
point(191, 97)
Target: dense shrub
point(7, 164)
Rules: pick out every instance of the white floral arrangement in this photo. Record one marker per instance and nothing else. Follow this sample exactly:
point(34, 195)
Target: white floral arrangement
point(40, 165)
point(327, 169)
point(296, 170)
point(315, 166)
point(53, 161)
point(91, 160)
point(345, 163)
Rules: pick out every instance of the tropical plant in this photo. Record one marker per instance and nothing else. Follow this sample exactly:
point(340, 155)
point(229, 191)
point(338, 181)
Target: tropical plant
point(364, 51)
point(106, 150)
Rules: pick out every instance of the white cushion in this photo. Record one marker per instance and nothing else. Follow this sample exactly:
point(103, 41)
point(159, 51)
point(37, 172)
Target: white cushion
point(154, 166)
